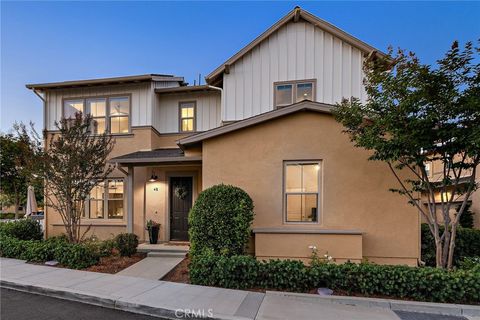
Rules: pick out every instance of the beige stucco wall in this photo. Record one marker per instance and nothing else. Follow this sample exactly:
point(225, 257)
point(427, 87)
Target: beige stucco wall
point(355, 192)
point(476, 204)
point(146, 201)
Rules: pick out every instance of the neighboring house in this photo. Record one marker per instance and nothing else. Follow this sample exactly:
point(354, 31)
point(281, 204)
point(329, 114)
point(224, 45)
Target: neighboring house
point(435, 174)
point(262, 122)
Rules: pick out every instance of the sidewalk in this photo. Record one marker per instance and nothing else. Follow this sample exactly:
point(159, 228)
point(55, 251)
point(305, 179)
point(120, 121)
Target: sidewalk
point(176, 300)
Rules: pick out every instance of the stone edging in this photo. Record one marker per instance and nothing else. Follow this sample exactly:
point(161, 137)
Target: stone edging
point(395, 305)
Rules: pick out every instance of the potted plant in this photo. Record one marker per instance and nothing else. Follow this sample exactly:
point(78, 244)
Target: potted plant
point(153, 228)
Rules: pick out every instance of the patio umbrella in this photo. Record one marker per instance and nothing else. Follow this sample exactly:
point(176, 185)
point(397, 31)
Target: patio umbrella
point(31, 202)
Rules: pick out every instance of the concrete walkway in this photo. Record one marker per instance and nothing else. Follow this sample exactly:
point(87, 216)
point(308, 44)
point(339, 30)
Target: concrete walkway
point(176, 300)
point(154, 268)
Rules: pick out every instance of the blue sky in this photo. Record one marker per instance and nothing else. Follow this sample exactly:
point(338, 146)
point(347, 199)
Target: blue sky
point(58, 41)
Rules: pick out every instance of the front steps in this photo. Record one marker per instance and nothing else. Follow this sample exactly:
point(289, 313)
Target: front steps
point(163, 250)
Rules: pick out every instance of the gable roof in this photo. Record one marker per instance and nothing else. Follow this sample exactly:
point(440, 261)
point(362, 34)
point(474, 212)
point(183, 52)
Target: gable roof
point(105, 81)
point(305, 105)
point(295, 15)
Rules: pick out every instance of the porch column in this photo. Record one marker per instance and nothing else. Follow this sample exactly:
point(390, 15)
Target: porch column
point(130, 199)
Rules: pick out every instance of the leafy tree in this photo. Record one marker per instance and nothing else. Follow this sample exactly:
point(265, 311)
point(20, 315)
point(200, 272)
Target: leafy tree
point(466, 220)
point(18, 149)
point(74, 161)
point(416, 114)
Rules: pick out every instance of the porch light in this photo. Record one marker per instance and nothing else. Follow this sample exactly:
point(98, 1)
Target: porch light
point(153, 177)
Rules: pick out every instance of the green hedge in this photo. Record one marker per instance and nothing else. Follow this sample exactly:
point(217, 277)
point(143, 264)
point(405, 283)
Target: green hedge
point(75, 256)
point(25, 229)
point(467, 244)
point(422, 284)
point(220, 221)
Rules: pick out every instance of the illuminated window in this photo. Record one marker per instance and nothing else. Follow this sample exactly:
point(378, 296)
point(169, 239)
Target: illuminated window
point(287, 93)
point(301, 191)
point(70, 107)
point(187, 116)
point(97, 109)
point(106, 200)
point(119, 115)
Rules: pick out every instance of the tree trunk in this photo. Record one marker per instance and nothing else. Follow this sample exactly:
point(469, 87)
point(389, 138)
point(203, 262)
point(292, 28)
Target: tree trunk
point(17, 204)
point(451, 246)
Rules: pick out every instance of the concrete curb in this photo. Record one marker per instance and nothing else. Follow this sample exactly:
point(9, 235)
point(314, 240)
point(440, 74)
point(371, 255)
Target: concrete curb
point(394, 305)
point(105, 302)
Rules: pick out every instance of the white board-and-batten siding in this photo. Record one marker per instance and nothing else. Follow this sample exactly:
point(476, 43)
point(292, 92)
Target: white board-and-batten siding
point(166, 111)
point(141, 101)
point(296, 51)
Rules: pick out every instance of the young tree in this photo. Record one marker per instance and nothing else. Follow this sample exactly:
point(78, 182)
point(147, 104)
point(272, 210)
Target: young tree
point(17, 150)
point(416, 114)
point(74, 161)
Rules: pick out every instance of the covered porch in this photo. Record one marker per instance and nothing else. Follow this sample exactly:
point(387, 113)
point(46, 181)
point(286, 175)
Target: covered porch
point(161, 185)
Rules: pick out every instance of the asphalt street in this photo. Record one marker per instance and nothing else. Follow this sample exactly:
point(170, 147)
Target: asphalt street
point(16, 305)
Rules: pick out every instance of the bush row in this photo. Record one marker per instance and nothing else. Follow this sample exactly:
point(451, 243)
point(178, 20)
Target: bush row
point(75, 256)
point(25, 229)
point(467, 244)
point(422, 284)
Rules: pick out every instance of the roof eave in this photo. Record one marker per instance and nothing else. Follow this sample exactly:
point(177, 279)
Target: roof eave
point(104, 81)
point(300, 106)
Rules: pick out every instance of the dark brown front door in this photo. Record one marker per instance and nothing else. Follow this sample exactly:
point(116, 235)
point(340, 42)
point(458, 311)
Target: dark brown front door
point(181, 196)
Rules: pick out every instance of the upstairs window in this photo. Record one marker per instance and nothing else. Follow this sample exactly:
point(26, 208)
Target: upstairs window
point(187, 116)
point(119, 114)
point(98, 109)
point(110, 114)
point(70, 107)
point(290, 92)
point(302, 191)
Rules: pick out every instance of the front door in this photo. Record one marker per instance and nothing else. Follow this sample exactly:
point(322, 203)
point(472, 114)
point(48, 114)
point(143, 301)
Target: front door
point(180, 197)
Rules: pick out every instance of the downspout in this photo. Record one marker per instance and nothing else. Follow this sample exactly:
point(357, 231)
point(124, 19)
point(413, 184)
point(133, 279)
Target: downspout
point(44, 108)
point(222, 102)
point(45, 207)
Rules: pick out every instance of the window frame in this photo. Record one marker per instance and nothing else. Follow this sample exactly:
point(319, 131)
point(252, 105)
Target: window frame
point(107, 111)
point(294, 84)
point(180, 103)
point(319, 192)
point(104, 200)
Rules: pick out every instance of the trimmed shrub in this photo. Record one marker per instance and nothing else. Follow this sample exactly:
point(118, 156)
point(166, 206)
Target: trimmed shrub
point(75, 256)
point(417, 283)
point(220, 221)
point(467, 244)
point(71, 255)
point(126, 244)
point(25, 229)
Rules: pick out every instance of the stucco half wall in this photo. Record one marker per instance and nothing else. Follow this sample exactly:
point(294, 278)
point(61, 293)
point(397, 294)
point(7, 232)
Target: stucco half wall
point(354, 194)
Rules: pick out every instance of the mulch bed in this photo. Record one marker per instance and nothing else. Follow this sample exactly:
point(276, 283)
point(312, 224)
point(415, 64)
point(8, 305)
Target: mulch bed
point(115, 263)
point(179, 273)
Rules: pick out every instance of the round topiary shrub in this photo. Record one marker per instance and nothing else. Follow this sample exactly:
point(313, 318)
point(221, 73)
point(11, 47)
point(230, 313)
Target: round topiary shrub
point(126, 244)
point(220, 221)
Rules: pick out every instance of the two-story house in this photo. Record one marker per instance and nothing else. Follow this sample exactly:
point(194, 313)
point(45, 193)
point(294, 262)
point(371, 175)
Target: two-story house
point(262, 122)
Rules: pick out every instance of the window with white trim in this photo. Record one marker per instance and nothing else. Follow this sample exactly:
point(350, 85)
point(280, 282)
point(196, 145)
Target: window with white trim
point(110, 114)
point(119, 114)
point(106, 200)
point(289, 92)
point(187, 116)
point(70, 107)
point(302, 183)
